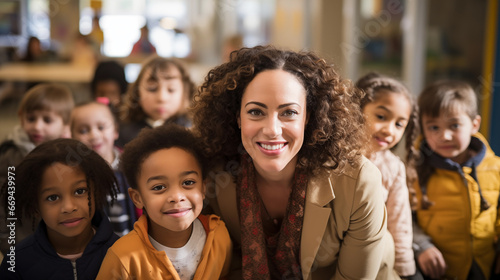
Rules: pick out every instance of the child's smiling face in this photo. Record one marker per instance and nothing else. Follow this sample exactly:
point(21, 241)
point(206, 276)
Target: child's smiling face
point(94, 126)
point(171, 190)
point(387, 118)
point(43, 125)
point(63, 203)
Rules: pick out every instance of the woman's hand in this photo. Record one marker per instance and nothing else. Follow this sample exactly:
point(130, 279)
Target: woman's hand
point(432, 263)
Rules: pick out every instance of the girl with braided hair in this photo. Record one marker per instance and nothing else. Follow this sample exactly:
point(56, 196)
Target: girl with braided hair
point(390, 112)
point(65, 183)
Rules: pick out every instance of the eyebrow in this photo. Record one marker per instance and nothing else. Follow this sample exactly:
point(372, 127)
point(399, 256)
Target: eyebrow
point(265, 106)
point(72, 185)
point(448, 120)
point(161, 177)
point(386, 109)
point(169, 77)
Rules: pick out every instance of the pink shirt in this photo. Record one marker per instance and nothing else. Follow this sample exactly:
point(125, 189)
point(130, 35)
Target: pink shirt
point(397, 202)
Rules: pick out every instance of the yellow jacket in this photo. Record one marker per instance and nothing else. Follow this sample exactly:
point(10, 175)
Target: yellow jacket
point(134, 257)
point(455, 222)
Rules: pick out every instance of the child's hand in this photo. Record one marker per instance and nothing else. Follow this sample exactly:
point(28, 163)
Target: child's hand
point(432, 263)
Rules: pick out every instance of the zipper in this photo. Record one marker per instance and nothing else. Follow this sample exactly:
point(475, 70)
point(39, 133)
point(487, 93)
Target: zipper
point(74, 269)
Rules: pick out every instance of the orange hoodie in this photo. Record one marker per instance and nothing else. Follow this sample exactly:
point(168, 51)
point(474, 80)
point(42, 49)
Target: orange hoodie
point(134, 257)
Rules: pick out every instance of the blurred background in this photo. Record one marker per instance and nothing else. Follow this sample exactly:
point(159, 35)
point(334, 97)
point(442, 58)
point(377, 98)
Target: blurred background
point(416, 41)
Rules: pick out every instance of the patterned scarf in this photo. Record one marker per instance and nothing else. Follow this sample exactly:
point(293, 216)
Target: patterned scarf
point(254, 242)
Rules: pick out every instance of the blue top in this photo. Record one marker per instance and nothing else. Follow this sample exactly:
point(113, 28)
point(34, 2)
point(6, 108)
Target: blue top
point(35, 258)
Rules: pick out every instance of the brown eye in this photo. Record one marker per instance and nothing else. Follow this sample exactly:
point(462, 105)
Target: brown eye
point(255, 112)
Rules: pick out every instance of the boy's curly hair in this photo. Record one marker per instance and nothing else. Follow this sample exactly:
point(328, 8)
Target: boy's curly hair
point(151, 140)
point(374, 84)
point(334, 135)
point(29, 174)
point(131, 111)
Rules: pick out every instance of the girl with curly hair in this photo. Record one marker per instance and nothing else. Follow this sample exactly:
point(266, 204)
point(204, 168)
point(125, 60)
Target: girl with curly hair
point(161, 94)
point(287, 134)
point(391, 112)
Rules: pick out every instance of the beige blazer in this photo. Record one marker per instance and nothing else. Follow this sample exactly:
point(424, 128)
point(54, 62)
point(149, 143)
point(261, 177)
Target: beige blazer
point(344, 229)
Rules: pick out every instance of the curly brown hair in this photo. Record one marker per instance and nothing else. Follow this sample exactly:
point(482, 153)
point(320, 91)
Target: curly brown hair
point(334, 135)
point(131, 111)
point(374, 84)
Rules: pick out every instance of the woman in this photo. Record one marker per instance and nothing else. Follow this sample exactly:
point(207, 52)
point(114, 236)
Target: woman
point(294, 190)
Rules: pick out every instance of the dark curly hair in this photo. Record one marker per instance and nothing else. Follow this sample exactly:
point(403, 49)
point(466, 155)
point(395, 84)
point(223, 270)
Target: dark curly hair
point(334, 134)
point(374, 84)
point(131, 111)
point(29, 173)
point(151, 140)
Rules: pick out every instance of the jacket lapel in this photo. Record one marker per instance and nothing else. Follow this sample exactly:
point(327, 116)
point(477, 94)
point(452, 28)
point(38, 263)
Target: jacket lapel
point(316, 216)
point(226, 197)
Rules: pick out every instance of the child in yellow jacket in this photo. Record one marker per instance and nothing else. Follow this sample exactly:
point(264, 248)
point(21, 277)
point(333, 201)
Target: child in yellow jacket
point(166, 172)
point(458, 189)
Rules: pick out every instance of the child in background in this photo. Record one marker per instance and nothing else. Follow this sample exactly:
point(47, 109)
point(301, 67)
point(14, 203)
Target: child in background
point(458, 188)
point(66, 184)
point(44, 113)
point(171, 240)
point(94, 125)
point(109, 81)
point(390, 111)
point(162, 93)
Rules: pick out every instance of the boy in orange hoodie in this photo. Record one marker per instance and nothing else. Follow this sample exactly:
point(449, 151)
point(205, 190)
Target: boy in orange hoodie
point(166, 171)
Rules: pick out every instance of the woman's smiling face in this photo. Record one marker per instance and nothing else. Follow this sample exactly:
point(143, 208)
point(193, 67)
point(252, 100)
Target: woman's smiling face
point(273, 118)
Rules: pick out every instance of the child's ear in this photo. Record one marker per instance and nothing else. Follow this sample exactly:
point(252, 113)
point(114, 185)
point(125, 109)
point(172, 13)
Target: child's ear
point(476, 123)
point(136, 197)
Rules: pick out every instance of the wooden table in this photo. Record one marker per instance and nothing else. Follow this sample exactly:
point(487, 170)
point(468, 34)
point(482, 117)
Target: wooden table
point(46, 72)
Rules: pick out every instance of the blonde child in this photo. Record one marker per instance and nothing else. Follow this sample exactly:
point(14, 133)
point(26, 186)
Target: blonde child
point(390, 112)
point(44, 113)
point(458, 187)
point(171, 240)
point(162, 93)
point(95, 125)
point(66, 184)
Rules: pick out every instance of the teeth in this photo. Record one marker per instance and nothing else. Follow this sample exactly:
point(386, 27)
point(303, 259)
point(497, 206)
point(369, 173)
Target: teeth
point(272, 147)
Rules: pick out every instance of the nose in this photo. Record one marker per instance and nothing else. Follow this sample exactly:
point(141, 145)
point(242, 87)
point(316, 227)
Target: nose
point(68, 205)
point(388, 128)
point(446, 134)
point(176, 195)
point(93, 134)
point(163, 95)
point(38, 124)
point(272, 127)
